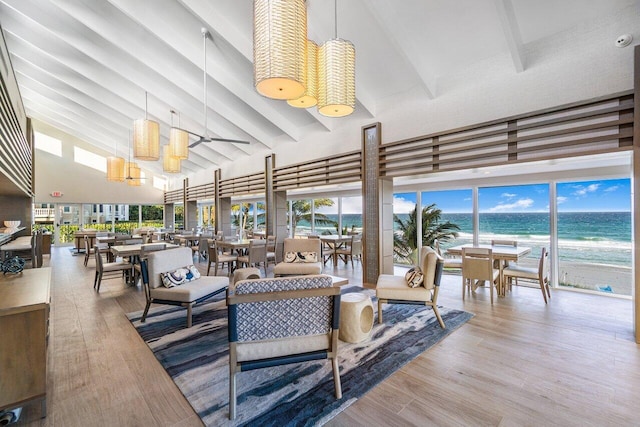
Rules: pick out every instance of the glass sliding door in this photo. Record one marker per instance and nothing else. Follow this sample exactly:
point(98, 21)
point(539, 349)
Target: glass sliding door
point(68, 221)
point(519, 213)
point(594, 235)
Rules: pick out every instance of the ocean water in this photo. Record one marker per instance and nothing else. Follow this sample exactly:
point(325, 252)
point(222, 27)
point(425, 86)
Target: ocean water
point(590, 237)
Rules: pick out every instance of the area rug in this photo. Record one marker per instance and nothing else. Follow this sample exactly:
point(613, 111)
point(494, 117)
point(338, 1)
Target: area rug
point(296, 394)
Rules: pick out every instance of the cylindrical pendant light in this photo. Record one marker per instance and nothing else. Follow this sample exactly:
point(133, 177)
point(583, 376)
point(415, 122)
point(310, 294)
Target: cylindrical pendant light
point(179, 143)
point(133, 174)
point(279, 45)
point(170, 164)
point(178, 140)
point(146, 137)
point(115, 169)
point(336, 76)
point(310, 96)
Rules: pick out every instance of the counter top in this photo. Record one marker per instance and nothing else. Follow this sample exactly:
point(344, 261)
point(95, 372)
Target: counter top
point(24, 291)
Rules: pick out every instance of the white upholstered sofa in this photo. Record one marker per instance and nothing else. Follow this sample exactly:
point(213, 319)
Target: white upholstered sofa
point(186, 294)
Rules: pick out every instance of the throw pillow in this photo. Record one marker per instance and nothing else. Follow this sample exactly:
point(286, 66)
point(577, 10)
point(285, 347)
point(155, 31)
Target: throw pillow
point(414, 277)
point(179, 276)
point(301, 257)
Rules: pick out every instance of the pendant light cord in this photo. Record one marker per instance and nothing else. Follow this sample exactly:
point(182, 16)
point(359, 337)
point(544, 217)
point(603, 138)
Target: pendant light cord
point(205, 33)
point(335, 11)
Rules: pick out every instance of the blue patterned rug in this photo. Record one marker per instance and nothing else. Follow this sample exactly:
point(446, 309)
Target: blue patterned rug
point(296, 394)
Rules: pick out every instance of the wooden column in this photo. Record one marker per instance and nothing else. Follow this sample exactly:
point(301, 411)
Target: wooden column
point(222, 207)
point(169, 215)
point(377, 209)
point(276, 207)
point(635, 205)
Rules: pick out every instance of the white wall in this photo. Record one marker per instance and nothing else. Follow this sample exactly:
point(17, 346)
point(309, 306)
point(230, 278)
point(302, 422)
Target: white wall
point(79, 183)
point(578, 68)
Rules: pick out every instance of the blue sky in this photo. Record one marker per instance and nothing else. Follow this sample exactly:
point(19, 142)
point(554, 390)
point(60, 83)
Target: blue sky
point(583, 196)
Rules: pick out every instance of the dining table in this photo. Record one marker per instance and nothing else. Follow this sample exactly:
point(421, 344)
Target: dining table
point(336, 241)
point(502, 253)
point(237, 245)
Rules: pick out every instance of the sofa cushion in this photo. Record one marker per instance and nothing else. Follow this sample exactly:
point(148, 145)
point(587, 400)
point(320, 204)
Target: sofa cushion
point(297, 268)
point(301, 257)
point(191, 291)
point(395, 287)
point(414, 277)
point(179, 276)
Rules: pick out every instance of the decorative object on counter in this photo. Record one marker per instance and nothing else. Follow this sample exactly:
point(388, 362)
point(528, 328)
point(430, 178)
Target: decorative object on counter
point(12, 224)
point(13, 265)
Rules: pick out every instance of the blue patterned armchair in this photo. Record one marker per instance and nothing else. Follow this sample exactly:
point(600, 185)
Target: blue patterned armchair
point(279, 321)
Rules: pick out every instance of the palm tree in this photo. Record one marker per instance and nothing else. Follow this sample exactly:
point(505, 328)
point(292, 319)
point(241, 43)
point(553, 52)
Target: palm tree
point(302, 212)
point(406, 236)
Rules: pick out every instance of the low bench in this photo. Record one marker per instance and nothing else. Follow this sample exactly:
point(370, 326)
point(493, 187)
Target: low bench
point(186, 294)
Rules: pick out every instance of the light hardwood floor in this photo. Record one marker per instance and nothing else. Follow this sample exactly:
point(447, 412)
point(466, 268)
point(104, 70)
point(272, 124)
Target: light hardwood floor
point(518, 362)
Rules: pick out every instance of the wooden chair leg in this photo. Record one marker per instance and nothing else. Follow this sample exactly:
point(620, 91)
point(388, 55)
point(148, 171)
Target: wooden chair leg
point(437, 313)
point(146, 311)
point(336, 377)
point(379, 310)
point(189, 317)
point(232, 394)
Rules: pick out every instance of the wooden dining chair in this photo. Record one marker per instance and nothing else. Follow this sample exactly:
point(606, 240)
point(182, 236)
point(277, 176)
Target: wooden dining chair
point(218, 258)
point(448, 263)
point(256, 255)
point(540, 274)
point(352, 249)
point(502, 242)
point(477, 267)
point(103, 268)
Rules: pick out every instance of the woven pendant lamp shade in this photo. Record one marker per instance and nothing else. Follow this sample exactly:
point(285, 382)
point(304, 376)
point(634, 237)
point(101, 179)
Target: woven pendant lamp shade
point(336, 78)
point(133, 174)
point(279, 46)
point(146, 139)
point(170, 164)
point(310, 96)
point(115, 169)
point(179, 143)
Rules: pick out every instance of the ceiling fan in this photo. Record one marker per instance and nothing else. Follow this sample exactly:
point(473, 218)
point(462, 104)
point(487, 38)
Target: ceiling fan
point(203, 137)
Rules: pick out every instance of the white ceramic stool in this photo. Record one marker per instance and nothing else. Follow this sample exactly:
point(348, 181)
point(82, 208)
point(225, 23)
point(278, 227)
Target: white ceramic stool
point(356, 317)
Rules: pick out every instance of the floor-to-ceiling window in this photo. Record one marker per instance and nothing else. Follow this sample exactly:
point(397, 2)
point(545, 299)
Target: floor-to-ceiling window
point(516, 213)
point(594, 235)
point(453, 208)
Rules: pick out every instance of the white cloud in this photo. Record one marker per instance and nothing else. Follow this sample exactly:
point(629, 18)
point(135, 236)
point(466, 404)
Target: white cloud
point(612, 188)
point(561, 199)
point(402, 206)
point(508, 195)
point(582, 191)
point(517, 205)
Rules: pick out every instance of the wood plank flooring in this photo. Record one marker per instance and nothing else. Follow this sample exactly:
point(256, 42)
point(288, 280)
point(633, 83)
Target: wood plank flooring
point(518, 362)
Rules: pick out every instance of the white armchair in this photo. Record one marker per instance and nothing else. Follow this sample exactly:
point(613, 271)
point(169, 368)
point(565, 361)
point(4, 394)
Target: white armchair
point(299, 246)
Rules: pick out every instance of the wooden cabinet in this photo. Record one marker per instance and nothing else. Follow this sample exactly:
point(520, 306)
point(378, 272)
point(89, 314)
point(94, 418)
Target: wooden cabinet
point(46, 243)
point(24, 316)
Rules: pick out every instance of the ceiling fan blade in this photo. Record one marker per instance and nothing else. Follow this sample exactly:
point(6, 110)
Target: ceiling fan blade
point(198, 142)
point(236, 141)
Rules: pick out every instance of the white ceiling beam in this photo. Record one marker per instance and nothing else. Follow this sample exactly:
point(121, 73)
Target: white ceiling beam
point(385, 13)
point(127, 41)
point(81, 72)
point(511, 31)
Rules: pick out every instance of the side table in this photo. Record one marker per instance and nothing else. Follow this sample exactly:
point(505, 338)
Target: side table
point(356, 317)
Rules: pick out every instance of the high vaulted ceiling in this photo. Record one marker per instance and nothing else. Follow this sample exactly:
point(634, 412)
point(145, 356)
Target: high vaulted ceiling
point(83, 66)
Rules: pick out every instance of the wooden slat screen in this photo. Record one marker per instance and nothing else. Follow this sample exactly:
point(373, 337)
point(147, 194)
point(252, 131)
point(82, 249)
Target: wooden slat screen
point(242, 185)
point(201, 192)
point(15, 150)
point(339, 169)
point(174, 196)
point(594, 127)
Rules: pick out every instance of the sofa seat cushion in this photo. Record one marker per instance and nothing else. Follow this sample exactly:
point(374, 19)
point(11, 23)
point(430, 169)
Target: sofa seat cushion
point(297, 268)
point(191, 291)
point(266, 349)
point(395, 287)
